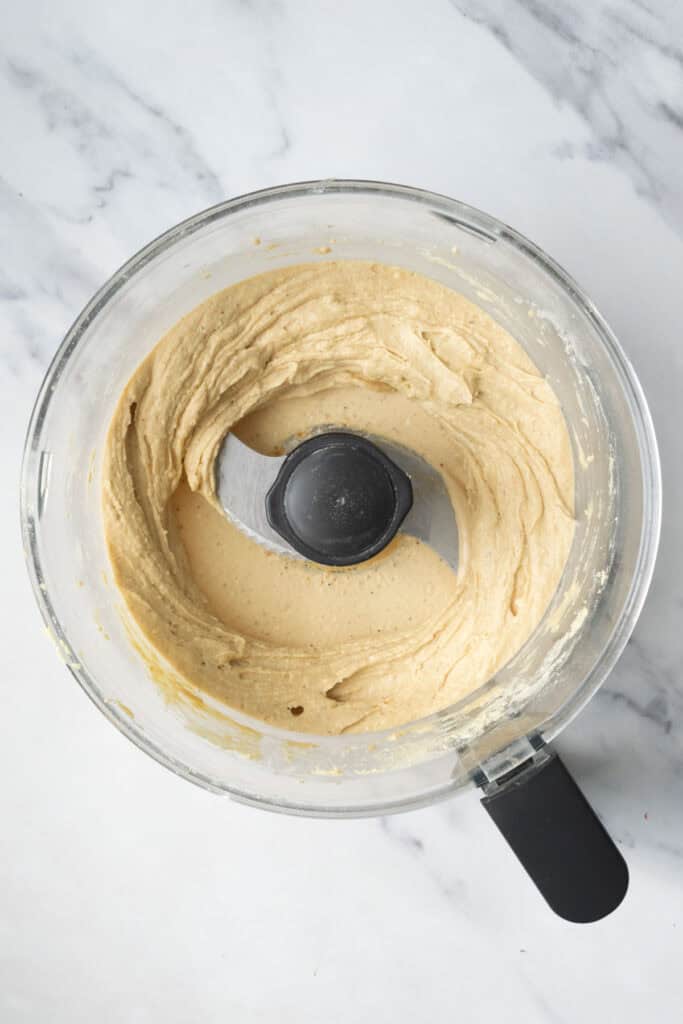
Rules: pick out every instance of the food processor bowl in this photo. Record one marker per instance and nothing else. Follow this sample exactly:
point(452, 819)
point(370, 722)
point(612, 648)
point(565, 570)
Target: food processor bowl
point(494, 730)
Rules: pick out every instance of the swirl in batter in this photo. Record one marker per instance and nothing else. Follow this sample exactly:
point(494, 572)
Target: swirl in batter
point(369, 347)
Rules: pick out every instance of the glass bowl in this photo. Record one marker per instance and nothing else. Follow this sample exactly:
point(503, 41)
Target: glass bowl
point(617, 498)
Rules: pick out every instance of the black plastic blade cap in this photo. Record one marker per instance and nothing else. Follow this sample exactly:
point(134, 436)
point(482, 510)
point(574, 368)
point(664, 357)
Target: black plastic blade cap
point(338, 499)
point(560, 841)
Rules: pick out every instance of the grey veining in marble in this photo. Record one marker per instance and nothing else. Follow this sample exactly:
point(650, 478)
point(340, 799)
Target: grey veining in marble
point(131, 896)
point(619, 65)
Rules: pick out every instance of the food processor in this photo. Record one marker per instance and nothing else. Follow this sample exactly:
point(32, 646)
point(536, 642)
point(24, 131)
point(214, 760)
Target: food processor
point(498, 737)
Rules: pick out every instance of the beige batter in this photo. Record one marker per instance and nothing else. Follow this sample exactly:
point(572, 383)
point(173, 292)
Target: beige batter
point(384, 351)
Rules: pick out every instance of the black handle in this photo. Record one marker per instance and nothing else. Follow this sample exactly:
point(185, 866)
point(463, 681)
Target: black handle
point(338, 499)
point(559, 839)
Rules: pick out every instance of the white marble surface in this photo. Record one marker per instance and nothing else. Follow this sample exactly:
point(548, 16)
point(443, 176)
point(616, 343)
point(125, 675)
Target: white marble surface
point(127, 895)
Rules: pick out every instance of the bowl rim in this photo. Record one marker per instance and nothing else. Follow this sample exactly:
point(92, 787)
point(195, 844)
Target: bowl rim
point(468, 217)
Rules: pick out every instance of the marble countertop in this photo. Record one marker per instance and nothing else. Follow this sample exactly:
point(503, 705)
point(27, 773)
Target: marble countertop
point(130, 896)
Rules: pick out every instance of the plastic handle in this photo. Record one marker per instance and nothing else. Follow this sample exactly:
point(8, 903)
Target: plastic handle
point(559, 840)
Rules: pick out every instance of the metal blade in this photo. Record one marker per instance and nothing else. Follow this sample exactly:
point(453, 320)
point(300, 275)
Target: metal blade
point(244, 476)
point(432, 517)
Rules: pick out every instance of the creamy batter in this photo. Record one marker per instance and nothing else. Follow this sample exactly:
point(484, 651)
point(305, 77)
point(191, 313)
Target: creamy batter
point(383, 351)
